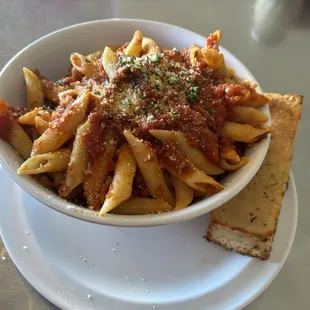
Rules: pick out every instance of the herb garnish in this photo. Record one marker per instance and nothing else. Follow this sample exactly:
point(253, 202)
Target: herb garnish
point(174, 115)
point(192, 95)
point(126, 60)
point(154, 58)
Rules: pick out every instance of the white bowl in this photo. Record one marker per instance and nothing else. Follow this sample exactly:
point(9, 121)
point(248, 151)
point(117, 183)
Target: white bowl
point(51, 54)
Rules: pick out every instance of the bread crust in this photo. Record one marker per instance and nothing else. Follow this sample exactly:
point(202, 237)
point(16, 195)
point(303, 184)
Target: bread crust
point(248, 222)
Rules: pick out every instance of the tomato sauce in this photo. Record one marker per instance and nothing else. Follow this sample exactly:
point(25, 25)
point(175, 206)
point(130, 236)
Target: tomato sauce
point(6, 124)
point(18, 111)
point(169, 154)
point(139, 186)
point(93, 138)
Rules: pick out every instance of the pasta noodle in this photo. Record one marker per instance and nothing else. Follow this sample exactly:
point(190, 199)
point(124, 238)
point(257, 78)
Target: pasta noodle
point(12, 132)
point(243, 115)
point(83, 65)
point(49, 162)
point(243, 132)
point(109, 60)
point(40, 124)
point(195, 178)
point(35, 95)
point(63, 128)
point(149, 166)
point(194, 54)
point(134, 48)
point(121, 186)
point(230, 154)
point(29, 118)
point(96, 174)
point(183, 193)
point(78, 162)
point(50, 89)
point(224, 164)
point(196, 157)
point(136, 129)
point(149, 46)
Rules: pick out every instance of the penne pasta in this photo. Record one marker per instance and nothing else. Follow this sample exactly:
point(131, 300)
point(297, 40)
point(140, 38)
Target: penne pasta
point(194, 155)
point(193, 177)
point(121, 186)
point(197, 180)
point(243, 115)
point(150, 169)
point(12, 132)
point(78, 162)
point(230, 154)
point(83, 65)
point(109, 60)
point(40, 124)
point(28, 118)
point(96, 174)
point(142, 206)
point(194, 54)
point(62, 128)
point(68, 96)
point(224, 164)
point(213, 58)
point(49, 162)
point(211, 53)
point(183, 193)
point(255, 99)
point(149, 46)
point(76, 74)
point(134, 48)
point(20, 140)
point(214, 39)
point(50, 88)
point(243, 132)
point(35, 95)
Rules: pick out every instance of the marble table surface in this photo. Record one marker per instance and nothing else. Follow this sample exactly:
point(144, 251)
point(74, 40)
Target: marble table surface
point(271, 37)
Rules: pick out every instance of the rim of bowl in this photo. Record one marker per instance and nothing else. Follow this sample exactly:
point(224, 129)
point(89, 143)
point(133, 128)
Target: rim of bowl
point(195, 210)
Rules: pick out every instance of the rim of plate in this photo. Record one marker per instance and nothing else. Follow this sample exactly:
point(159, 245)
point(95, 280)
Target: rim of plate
point(194, 210)
point(48, 293)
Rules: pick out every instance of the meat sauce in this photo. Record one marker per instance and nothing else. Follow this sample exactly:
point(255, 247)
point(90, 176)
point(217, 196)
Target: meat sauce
point(163, 92)
point(170, 155)
point(139, 188)
point(192, 124)
point(18, 111)
point(93, 138)
point(6, 125)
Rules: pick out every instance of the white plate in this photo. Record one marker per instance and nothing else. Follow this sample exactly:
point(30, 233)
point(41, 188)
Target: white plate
point(79, 265)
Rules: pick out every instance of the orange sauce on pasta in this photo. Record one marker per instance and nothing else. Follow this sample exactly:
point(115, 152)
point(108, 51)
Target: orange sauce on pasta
point(163, 91)
point(6, 125)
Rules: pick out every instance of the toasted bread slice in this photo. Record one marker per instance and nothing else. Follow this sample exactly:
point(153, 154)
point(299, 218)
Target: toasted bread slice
point(247, 223)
